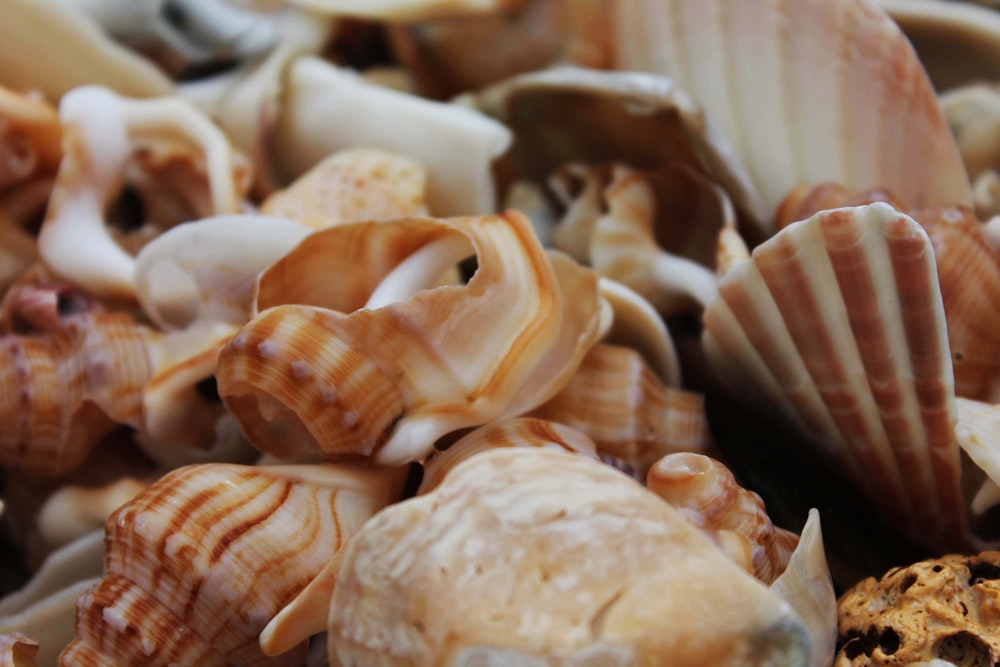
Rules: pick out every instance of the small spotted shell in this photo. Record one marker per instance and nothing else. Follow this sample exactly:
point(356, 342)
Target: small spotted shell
point(200, 562)
point(382, 363)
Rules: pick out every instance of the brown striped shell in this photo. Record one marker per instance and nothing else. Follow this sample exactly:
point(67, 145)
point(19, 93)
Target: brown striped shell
point(382, 363)
point(837, 323)
point(61, 390)
point(707, 494)
point(353, 185)
point(200, 562)
point(632, 417)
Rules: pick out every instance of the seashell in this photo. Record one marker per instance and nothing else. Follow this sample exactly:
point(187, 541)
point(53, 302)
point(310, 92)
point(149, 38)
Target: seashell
point(50, 623)
point(63, 389)
point(616, 400)
point(848, 102)
point(569, 115)
point(584, 565)
point(328, 109)
point(404, 10)
point(17, 253)
point(29, 139)
point(976, 435)
point(100, 128)
point(515, 432)
point(202, 560)
point(973, 114)
point(38, 301)
point(369, 369)
point(957, 42)
point(353, 185)
point(18, 650)
point(705, 492)
point(74, 511)
point(937, 609)
point(85, 54)
point(837, 323)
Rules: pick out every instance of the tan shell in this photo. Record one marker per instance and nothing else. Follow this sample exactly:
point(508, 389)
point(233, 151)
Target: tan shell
point(30, 139)
point(405, 10)
point(944, 608)
point(61, 389)
point(101, 129)
point(838, 324)
point(353, 185)
point(17, 650)
point(74, 511)
point(707, 494)
point(202, 560)
point(582, 564)
point(847, 99)
point(634, 419)
point(374, 368)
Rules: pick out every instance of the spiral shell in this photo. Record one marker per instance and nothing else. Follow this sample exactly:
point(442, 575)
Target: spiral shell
point(384, 368)
point(200, 562)
point(707, 493)
point(618, 401)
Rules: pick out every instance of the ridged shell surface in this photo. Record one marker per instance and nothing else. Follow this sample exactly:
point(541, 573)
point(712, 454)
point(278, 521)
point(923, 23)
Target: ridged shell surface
point(837, 323)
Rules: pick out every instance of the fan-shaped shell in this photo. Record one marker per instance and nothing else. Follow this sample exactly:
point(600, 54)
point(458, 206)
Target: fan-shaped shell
point(847, 99)
point(837, 322)
point(202, 560)
point(383, 368)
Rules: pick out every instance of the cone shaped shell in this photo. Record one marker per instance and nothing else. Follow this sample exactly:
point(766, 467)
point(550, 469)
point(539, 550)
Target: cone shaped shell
point(838, 323)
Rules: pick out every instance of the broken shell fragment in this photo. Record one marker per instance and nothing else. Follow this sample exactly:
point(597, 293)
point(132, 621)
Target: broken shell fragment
point(705, 491)
point(376, 369)
point(938, 609)
point(606, 572)
point(200, 562)
point(837, 322)
point(848, 100)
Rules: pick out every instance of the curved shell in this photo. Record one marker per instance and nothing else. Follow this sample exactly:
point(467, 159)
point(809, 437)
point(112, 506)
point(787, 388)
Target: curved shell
point(17, 650)
point(847, 99)
point(101, 129)
point(837, 323)
point(404, 10)
point(30, 139)
point(59, 390)
point(202, 560)
point(592, 561)
point(386, 363)
point(707, 494)
point(74, 511)
point(632, 417)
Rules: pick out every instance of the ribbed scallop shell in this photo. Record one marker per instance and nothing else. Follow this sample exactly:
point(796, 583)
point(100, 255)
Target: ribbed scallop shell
point(353, 185)
point(616, 399)
point(516, 432)
point(390, 363)
point(837, 323)
point(707, 493)
point(60, 390)
point(846, 98)
point(200, 562)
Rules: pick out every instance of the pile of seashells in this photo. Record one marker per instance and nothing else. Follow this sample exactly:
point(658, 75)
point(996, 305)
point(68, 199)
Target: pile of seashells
point(383, 332)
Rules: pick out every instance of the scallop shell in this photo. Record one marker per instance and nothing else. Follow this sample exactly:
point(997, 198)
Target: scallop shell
point(328, 109)
point(100, 129)
point(62, 389)
point(17, 650)
point(707, 494)
point(353, 185)
point(202, 560)
point(837, 323)
point(584, 565)
point(848, 101)
point(374, 368)
point(617, 401)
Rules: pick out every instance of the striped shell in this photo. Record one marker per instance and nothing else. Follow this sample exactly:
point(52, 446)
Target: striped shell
point(707, 494)
point(200, 562)
point(847, 99)
point(353, 185)
point(616, 400)
point(590, 572)
point(837, 323)
point(383, 363)
point(61, 390)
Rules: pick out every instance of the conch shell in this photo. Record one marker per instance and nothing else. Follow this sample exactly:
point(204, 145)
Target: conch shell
point(202, 560)
point(592, 570)
point(382, 363)
point(837, 322)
